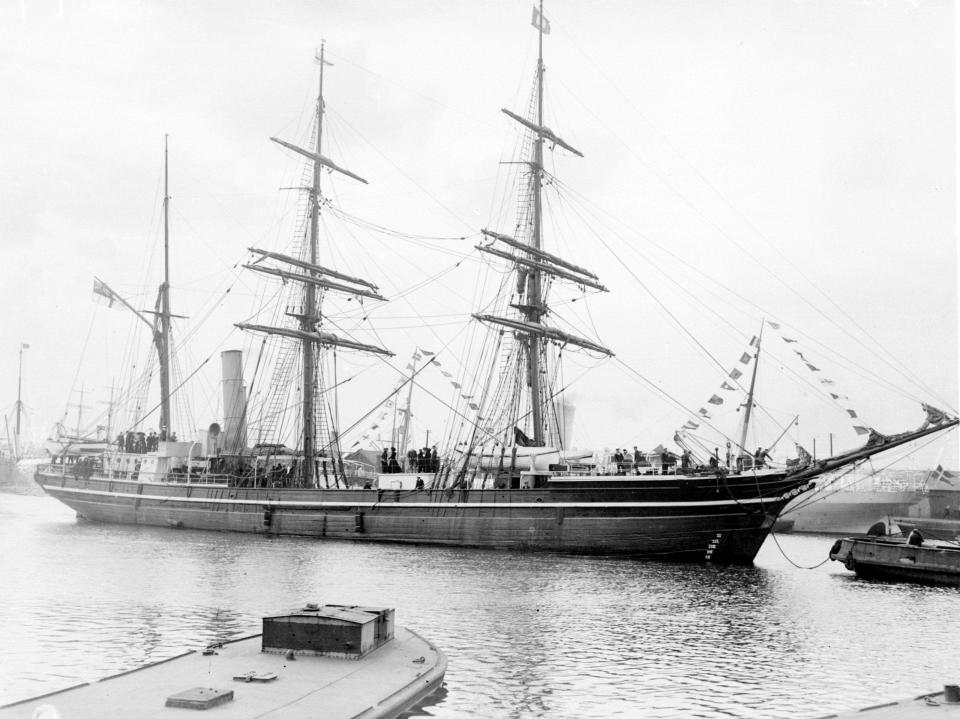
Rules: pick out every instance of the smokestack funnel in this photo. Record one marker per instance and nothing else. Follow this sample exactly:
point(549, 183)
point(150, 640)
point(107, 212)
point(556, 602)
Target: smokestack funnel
point(234, 402)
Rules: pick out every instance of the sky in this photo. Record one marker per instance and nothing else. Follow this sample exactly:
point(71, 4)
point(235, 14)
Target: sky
point(786, 160)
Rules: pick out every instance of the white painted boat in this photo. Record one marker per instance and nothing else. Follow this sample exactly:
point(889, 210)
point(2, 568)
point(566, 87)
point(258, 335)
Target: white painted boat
point(332, 661)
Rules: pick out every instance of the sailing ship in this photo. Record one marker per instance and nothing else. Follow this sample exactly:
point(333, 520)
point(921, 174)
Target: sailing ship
point(503, 484)
point(67, 446)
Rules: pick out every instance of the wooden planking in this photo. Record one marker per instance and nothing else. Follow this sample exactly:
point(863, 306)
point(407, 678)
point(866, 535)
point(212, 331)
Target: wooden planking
point(596, 531)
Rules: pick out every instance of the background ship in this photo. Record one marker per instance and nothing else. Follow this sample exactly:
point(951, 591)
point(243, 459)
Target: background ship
point(853, 503)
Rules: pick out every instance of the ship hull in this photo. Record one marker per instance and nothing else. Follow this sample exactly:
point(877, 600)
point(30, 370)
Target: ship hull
point(707, 519)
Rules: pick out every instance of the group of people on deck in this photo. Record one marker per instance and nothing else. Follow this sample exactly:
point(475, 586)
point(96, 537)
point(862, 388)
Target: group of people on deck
point(637, 462)
point(417, 460)
point(665, 461)
point(140, 442)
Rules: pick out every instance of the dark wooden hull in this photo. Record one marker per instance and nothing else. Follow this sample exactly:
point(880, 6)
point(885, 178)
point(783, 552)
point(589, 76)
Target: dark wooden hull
point(679, 518)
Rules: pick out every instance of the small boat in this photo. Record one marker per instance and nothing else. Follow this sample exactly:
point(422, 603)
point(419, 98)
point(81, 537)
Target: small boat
point(947, 530)
point(945, 703)
point(330, 660)
point(908, 559)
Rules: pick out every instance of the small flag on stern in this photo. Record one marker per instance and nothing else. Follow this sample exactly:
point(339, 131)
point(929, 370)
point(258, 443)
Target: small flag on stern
point(942, 475)
point(540, 21)
point(25, 346)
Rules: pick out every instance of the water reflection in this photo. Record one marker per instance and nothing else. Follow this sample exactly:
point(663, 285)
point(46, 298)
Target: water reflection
point(526, 635)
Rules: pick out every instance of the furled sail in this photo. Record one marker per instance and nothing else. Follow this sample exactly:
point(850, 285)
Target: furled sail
point(551, 333)
point(316, 281)
point(319, 269)
point(326, 339)
point(513, 242)
point(543, 267)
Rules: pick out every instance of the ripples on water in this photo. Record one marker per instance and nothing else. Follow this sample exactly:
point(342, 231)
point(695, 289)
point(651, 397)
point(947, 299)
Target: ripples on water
point(527, 635)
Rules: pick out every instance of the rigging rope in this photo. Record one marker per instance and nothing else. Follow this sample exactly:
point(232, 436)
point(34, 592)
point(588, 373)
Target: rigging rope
point(360, 222)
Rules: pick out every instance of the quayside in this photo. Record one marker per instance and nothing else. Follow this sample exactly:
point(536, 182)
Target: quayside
point(503, 476)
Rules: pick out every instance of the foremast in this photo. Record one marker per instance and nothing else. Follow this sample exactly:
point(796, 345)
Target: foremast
point(534, 263)
point(316, 279)
point(310, 312)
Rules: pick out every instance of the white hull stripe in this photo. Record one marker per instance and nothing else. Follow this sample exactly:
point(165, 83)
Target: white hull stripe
point(273, 503)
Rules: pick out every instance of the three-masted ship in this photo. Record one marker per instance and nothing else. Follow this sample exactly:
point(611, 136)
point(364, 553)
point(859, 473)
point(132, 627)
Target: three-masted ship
point(505, 486)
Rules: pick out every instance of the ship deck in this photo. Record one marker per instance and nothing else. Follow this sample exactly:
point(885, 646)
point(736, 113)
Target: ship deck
point(382, 684)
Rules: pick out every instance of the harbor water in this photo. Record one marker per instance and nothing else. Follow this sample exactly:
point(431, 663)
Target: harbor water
point(527, 635)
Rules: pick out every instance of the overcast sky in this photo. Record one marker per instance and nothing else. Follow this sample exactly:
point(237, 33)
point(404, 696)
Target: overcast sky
point(780, 159)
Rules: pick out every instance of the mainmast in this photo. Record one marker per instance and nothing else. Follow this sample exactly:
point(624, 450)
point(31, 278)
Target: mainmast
point(161, 335)
point(314, 277)
point(310, 315)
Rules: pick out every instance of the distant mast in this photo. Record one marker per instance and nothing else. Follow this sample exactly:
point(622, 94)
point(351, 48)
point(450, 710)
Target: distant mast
point(16, 431)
